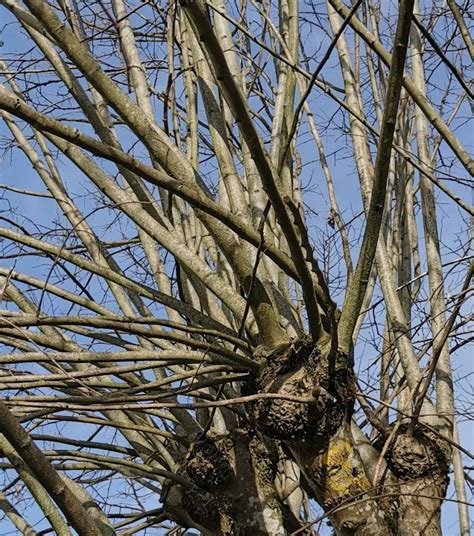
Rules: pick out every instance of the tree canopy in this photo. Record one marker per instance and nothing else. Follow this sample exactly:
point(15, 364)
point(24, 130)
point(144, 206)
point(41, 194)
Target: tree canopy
point(236, 243)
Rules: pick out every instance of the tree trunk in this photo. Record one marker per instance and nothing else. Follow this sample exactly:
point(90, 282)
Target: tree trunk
point(233, 477)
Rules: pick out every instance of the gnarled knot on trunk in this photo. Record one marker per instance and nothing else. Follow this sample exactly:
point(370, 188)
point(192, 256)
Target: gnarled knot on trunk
point(238, 499)
point(418, 454)
point(207, 465)
point(211, 511)
point(303, 369)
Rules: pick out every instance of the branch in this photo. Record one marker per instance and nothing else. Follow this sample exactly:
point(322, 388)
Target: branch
point(15, 517)
point(437, 350)
point(358, 285)
point(196, 198)
point(427, 35)
point(103, 271)
point(46, 474)
point(387, 58)
point(198, 17)
point(313, 80)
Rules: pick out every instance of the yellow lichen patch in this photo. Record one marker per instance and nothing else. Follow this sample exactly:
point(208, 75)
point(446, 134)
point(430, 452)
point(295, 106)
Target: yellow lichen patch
point(342, 472)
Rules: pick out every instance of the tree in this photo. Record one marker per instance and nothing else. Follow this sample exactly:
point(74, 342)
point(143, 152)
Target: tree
point(197, 333)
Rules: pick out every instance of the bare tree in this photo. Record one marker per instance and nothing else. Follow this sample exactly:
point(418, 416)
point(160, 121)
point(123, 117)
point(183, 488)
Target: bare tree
point(236, 265)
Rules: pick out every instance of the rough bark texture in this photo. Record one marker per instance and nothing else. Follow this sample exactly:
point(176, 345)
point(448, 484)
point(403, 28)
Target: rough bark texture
point(172, 302)
point(233, 477)
point(420, 460)
point(232, 489)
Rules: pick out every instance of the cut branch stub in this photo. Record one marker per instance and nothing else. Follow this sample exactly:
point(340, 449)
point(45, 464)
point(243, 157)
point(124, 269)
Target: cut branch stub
point(303, 369)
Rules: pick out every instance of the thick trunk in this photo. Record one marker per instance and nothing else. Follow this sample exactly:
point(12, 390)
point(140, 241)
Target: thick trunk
point(318, 434)
point(408, 496)
point(420, 460)
point(232, 488)
point(339, 482)
point(232, 479)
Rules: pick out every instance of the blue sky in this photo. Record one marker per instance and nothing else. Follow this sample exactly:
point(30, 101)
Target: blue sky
point(16, 171)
